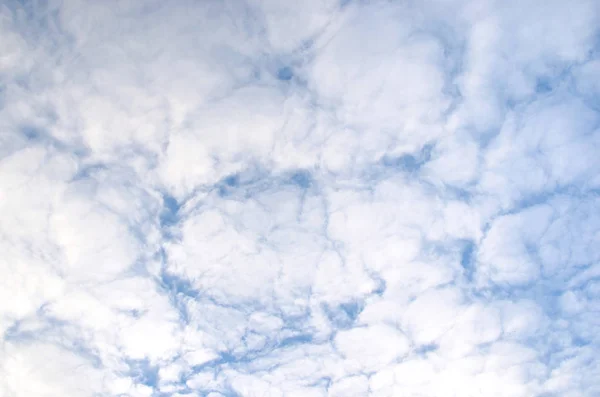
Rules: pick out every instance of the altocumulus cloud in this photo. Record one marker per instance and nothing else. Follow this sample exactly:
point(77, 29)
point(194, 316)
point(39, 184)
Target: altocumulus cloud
point(299, 198)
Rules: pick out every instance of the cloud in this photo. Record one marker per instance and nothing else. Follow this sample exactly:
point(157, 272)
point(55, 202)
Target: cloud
point(316, 199)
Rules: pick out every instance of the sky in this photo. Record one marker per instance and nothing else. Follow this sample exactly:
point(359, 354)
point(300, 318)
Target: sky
point(263, 198)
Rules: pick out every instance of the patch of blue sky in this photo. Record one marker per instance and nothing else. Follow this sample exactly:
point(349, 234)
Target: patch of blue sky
point(143, 372)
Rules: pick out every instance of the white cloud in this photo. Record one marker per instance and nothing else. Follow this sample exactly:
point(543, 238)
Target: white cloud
point(313, 199)
point(372, 347)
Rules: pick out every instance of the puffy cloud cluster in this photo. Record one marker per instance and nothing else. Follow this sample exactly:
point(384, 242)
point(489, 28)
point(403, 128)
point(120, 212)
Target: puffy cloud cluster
point(264, 198)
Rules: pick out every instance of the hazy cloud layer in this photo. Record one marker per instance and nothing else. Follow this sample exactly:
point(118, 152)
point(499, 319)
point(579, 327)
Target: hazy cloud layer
point(314, 198)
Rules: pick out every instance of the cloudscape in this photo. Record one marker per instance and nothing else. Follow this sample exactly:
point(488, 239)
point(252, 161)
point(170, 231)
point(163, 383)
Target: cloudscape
point(320, 198)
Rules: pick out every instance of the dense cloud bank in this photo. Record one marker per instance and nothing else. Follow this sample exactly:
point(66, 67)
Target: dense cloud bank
point(311, 198)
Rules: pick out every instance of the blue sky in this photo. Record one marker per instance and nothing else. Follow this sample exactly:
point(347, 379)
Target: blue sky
point(318, 198)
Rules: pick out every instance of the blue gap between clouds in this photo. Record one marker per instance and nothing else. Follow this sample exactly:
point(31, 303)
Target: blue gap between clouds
point(170, 211)
point(343, 315)
point(178, 285)
point(31, 133)
point(143, 372)
point(424, 349)
point(466, 259)
point(409, 162)
point(296, 340)
point(285, 73)
point(257, 181)
point(227, 358)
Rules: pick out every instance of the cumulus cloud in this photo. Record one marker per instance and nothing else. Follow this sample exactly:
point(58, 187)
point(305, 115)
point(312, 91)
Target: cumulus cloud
point(329, 198)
